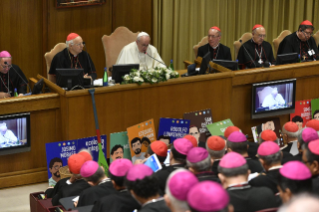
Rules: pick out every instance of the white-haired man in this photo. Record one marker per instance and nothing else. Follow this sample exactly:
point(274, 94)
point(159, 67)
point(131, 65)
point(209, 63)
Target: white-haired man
point(274, 100)
point(255, 52)
point(73, 56)
point(141, 52)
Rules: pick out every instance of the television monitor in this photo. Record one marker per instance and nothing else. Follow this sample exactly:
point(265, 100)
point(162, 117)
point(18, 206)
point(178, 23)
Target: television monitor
point(118, 71)
point(37, 88)
point(69, 78)
point(15, 133)
point(287, 58)
point(232, 65)
point(273, 98)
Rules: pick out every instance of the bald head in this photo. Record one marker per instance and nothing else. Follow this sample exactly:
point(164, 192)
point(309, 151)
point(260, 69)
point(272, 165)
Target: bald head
point(301, 203)
point(259, 35)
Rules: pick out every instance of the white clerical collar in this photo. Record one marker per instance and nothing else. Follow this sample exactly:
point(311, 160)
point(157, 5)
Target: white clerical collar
point(275, 167)
point(216, 46)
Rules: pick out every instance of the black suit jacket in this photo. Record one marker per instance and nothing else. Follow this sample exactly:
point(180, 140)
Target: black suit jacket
point(223, 52)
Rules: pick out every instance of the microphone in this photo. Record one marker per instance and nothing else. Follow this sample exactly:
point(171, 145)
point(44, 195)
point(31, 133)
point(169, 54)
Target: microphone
point(155, 59)
point(248, 53)
point(21, 79)
point(311, 50)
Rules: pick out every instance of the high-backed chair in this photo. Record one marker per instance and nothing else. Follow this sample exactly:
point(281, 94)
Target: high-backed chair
point(278, 40)
point(49, 55)
point(316, 37)
point(245, 37)
point(195, 49)
point(114, 43)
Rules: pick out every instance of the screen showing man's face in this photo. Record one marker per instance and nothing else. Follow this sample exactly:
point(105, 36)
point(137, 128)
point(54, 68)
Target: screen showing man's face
point(194, 132)
point(316, 116)
point(117, 154)
point(269, 125)
point(137, 147)
point(55, 169)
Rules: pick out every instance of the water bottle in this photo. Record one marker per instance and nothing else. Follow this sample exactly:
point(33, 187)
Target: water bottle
point(171, 66)
point(237, 64)
point(299, 58)
point(15, 92)
point(105, 78)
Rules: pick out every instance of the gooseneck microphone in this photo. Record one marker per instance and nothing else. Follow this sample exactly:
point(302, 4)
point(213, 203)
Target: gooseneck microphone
point(20, 77)
point(155, 59)
point(248, 53)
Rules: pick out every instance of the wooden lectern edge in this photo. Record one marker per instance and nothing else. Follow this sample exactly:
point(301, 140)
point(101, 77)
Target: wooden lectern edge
point(52, 85)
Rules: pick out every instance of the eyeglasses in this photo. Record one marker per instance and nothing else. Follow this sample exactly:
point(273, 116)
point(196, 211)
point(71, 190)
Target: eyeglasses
point(308, 33)
point(6, 67)
point(262, 36)
point(57, 167)
point(79, 44)
point(213, 36)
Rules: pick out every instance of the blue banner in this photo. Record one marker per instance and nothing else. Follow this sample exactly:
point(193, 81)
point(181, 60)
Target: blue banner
point(64, 149)
point(173, 128)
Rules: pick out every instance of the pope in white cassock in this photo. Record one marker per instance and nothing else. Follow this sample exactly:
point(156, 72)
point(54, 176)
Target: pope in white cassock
point(273, 100)
point(6, 136)
point(140, 52)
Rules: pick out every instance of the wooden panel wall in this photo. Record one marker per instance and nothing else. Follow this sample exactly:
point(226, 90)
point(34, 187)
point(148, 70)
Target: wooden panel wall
point(21, 33)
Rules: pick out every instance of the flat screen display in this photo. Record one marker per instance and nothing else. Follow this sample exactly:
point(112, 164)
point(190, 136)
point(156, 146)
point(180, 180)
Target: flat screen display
point(273, 98)
point(14, 133)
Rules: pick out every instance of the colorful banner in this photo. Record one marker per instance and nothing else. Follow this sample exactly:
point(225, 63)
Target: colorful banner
point(302, 113)
point(59, 152)
point(140, 137)
point(173, 128)
point(119, 146)
point(315, 109)
point(218, 128)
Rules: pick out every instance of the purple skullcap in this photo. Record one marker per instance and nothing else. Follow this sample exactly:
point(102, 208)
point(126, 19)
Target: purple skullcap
point(232, 160)
point(180, 183)
point(4, 54)
point(182, 145)
point(89, 168)
point(197, 154)
point(138, 172)
point(309, 134)
point(237, 137)
point(295, 170)
point(268, 148)
point(207, 196)
point(119, 167)
point(314, 147)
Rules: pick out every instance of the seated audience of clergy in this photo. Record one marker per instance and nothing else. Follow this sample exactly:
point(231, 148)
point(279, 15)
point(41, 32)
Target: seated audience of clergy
point(300, 203)
point(213, 47)
point(270, 158)
point(177, 157)
point(141, 52)
point(208, 196)
point(199, 163)
point(290, 132)
point(74, 57)
point(76, 184)
point(123, 200)
point(143, 186)
point(300, 42)
point(9, 76)
point(233, 174)
point(101, 185)
point(177, 187)
point(51, 192)
point(294, 178)
point(237, 142)
point(215, 146)
point(256, 52)
point(310, 157)
point(269, 135)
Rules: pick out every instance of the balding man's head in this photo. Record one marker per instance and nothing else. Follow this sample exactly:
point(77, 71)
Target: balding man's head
point(259, 34)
